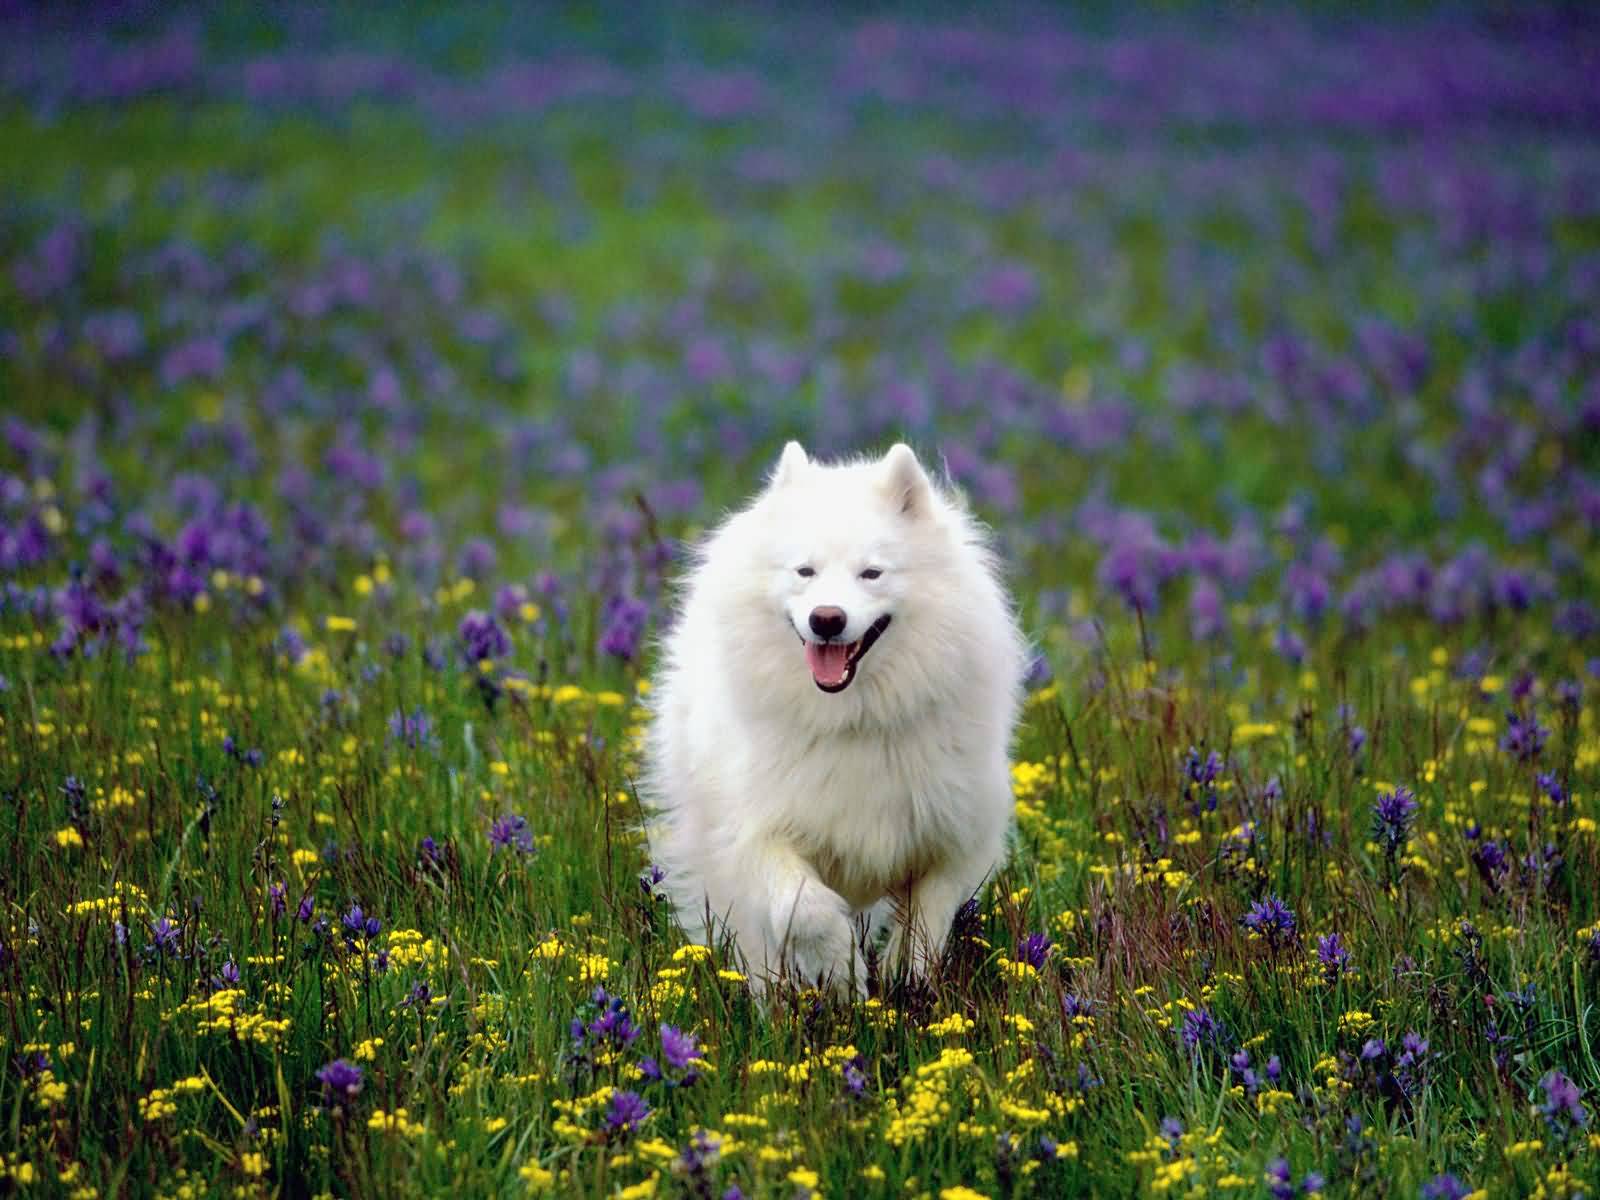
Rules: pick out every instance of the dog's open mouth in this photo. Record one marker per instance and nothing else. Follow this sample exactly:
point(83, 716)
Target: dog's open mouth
point(833, 664)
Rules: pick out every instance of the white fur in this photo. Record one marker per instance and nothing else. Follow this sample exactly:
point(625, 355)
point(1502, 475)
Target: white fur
point(791, 818)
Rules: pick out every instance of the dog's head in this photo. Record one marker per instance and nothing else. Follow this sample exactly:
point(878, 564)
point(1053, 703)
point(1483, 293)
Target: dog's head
point(850, 539)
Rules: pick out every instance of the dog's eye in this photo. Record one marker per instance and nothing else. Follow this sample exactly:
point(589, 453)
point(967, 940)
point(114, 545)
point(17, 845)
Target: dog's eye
point(871, 573)
point(805, 572)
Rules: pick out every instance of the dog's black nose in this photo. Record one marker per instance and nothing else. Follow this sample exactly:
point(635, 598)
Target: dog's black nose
point(828, 621)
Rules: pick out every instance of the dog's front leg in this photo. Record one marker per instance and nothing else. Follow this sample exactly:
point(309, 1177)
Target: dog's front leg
point(810, 931)
point(922, 927)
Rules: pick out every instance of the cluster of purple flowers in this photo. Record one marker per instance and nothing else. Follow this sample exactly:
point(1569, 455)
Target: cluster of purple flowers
point(623, 625)
point(1445, 1187)
point(511, 831)
point(625, 1112)
point(1034, 950)
point(1281, 1184)
point(1200, 773)
point(1272, 921)
point(250, 758)
point(679, 1050)
point(650, 880)
point(1401, 1075)
point(1202, 1032)
point(1392, 817)
point(1249, 1078)
point(1334, 957)
point(482, 638)
point(1524, 738)
point(341, 1080)
point(602, 1030)
point(358, 926)
point(413, 729)
point(1562, 1108)
point(1015, 1155)
point(165, 935)
point(607, 1027)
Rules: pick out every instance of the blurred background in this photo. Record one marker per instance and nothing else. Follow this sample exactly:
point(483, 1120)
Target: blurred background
point(1281, 314)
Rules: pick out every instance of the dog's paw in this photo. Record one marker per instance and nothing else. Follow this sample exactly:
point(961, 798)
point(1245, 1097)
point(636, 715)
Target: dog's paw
point(819, 942)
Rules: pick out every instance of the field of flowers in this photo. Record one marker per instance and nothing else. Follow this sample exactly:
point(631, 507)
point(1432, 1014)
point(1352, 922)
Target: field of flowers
point(361, 380)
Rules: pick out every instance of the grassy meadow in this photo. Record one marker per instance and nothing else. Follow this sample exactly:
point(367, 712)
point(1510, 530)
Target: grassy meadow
point(363, 377)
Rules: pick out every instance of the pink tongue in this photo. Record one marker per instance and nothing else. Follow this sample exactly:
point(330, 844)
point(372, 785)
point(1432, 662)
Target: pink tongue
point(827, 661)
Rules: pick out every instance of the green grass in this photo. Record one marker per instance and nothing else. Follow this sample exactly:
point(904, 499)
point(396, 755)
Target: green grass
point(1141, 887)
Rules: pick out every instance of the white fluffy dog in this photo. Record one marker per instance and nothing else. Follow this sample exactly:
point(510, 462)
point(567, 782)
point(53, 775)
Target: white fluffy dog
point(828, 755)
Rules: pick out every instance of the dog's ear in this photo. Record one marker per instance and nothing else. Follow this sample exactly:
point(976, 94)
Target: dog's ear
point(906, 481)
point(791, 462)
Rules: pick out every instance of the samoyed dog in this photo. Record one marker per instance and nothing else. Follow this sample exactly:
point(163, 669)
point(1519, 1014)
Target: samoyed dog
point(827, 763)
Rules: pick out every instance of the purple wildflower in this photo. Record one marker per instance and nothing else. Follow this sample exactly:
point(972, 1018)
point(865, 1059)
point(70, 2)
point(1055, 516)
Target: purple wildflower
point(603, 1026)
point(165, 934)
point(1563, 1106)
point(1290, 645)
point(1524, 737)
point(1280, 1181)
point(358, 925)
point(478, 559)
point(419, 997)
point(226, 977)
point(854, 1073)
point(1034, 949)
point(292, 644)
point(511, 832)
point(1409, 1064)
point(1271, 920)
point(414, 729)
point(340, 1079)
point(1445, 1187)
point(623, 627)
point(678, 1048)
point(1129, 569)
point(650, 880)
point(625, 1112)
point(1491, 860)
point(1206, 617)
point(1334, 957)
point(1202, 1031)
point(482, 638)
point(1200, 780)
point(1202, 771)
point(1172, 1130)
point(32, 1064)
point(1239, 1064)
point(1392, 816)
point(698, 1157)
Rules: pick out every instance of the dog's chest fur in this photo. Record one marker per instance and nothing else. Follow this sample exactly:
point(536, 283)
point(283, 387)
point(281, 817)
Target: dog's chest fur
point(873, 812)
